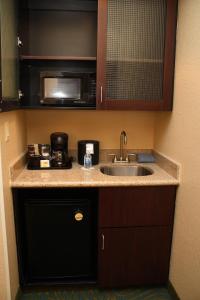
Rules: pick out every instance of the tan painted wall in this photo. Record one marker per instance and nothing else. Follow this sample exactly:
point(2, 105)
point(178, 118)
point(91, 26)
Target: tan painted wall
point(10, 151)
point(3, 292)
point(178, 136)
point(104, 126)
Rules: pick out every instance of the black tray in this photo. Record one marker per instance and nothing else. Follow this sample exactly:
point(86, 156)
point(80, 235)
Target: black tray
point(50, 168)
point(67, 166)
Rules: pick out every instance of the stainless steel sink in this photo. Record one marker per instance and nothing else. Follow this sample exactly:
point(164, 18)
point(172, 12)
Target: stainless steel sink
point(126, 170)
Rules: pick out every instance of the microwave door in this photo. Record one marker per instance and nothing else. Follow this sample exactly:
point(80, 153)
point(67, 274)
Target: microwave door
point(61, 90)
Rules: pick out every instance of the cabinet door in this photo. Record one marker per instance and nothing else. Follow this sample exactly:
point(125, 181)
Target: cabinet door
point(135, 60)
point(9, 54)
point(131, 256)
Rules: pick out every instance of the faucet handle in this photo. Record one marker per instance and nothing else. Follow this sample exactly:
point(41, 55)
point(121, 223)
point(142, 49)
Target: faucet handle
point(131, 154)
point(114, 156)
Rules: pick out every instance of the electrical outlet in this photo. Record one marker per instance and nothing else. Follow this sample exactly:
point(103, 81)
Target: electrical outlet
point(6, 131)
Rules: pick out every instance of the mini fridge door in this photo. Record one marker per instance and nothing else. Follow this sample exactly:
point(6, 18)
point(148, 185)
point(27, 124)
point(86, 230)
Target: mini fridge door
point(59, 238)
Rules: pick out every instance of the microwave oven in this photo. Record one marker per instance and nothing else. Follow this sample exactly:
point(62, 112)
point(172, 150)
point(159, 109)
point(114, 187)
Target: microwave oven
point(68, 89)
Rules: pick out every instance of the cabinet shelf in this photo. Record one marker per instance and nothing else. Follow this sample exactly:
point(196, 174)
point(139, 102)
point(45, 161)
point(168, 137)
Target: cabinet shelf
point(44, 57)
point(36, 107)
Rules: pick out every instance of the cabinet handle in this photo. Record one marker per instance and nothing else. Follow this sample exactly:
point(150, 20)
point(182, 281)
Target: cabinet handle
point(103, 241)
point(101, 94)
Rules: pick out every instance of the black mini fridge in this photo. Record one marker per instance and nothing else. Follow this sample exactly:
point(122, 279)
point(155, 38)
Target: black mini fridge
point(56, 233)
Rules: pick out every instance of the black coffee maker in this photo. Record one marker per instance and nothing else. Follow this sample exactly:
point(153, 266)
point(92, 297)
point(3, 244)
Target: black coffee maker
point(59, 149)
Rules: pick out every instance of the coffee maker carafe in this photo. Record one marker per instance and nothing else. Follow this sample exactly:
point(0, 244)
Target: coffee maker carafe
point(59, 148)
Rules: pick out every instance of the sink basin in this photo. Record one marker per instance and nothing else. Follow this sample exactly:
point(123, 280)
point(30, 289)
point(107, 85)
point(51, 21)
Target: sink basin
point(126, 170)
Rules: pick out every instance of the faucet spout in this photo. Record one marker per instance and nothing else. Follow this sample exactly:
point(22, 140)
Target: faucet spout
point(123, 141)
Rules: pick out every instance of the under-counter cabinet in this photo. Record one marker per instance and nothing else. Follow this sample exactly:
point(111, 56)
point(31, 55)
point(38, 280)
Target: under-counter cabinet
point(135, 54)
point(60, 242)
point(135, 235)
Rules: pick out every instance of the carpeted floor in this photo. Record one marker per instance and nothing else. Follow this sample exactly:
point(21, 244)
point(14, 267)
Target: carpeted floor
point(95, 294)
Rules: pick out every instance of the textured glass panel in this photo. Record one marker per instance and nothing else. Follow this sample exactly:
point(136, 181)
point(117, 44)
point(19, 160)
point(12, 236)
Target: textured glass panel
point(9, 50)
point(135, 49)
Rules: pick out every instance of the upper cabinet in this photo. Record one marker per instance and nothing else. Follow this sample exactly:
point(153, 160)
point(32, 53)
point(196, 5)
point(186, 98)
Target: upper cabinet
point(135, 54)
point(9, 54)
point(90, 54)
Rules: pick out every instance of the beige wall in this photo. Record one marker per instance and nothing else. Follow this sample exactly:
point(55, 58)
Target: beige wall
point(11, 149)
point(3, 271)
point(104, 126)
point(178, 136)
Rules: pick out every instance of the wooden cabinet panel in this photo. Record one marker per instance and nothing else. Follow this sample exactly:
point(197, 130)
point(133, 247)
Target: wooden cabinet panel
point(131, 256)
point(136, 206)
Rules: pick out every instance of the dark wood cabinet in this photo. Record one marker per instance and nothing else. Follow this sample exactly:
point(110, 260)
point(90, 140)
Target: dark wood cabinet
point(138, 206)
point(135, 54)
point(133, 256)
point(135, 46)
point(135, 235)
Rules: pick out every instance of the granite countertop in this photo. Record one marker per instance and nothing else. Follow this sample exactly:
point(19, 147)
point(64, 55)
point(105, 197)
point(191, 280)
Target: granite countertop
point(79, 177)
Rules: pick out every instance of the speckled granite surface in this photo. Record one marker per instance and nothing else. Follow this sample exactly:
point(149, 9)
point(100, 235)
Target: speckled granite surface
point(79, 177)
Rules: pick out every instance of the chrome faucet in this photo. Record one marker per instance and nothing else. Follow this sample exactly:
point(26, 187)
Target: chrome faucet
point(123, 141)
point(122, 158)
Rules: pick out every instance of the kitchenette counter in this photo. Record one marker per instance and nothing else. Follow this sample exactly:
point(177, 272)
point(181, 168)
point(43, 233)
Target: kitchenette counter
point(80, 177)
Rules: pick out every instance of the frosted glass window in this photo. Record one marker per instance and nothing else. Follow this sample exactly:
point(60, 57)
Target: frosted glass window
point(135, 49)
point(9, 50)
